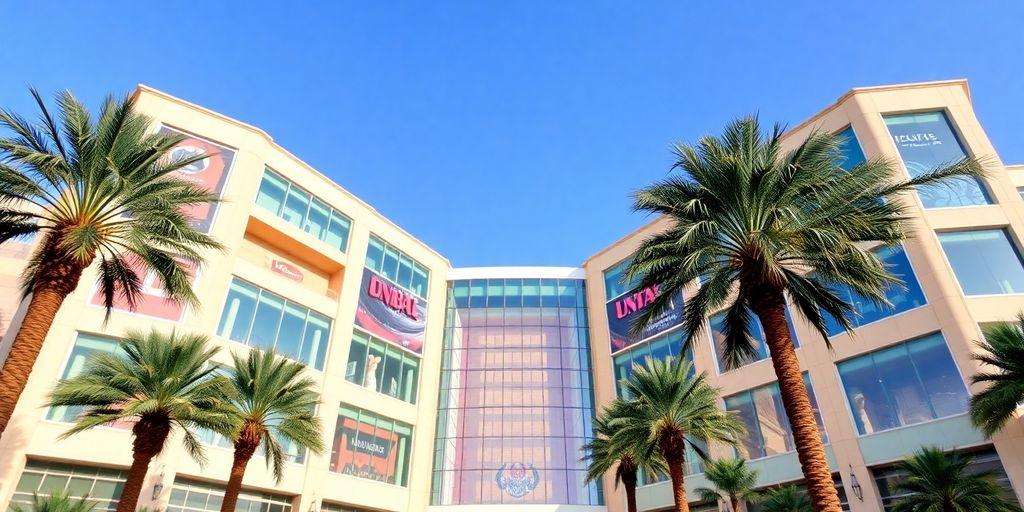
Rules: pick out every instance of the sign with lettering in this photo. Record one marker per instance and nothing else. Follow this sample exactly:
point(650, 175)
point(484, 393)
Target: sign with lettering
point(287, 270)
point(210, 173)
point(358, 452)
point(391, 313)
point(624, 309)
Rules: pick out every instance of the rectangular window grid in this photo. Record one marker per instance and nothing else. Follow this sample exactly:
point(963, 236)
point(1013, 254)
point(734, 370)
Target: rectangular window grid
point(195, 496)
point(303, 210)
point(767, 425)
point(370, 446)
point(103, 486)
point(397, 267)
point(395, 372)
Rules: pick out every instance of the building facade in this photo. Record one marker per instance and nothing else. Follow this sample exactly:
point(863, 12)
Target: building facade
point(474, 389)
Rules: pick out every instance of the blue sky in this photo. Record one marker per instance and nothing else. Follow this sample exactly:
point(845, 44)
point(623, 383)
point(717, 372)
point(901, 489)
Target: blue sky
point(512, 132)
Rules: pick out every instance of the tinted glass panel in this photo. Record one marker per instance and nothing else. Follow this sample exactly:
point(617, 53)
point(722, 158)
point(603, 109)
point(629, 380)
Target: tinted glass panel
point(985, 262)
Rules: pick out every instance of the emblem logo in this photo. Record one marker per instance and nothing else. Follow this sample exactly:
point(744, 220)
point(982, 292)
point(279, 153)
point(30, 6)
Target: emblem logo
point(515, 480)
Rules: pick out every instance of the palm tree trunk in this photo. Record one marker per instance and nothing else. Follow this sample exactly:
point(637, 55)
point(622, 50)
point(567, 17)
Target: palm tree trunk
point(677, 475)
point(55, 280)
point(734, 503)
point(629, 482)
point(245, 446)
point(150, 435)
point(770, 307)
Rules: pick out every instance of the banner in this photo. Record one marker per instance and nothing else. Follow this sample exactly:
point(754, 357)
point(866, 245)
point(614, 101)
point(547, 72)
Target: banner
point(152, 299)
point(624, 309)
point(210, 173)
point(365, 454)
point(391, 313)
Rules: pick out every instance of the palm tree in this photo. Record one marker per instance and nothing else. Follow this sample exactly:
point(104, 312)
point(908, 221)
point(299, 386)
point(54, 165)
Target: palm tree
point(760, 227)
point(1003, 350)
point(57, 501)
point(96, 191)
point(734, 481)
point(787, 498)
point(273, 401)
point(944, 482)
point(602, 455)
point(160, 382)
point(670, 407)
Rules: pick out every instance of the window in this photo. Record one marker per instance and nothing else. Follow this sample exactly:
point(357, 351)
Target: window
point(86, 345)
point(337, 507)
point(986, 460)
point(258, 318)
point(1020, 192)
point(903, 298)
point(194, 496)
point(394, 371)
point(614, 284)
point(850, 149)
point(985, 262)
point(397, 267)
point(927, 142)
point(844, 503)
point(717, 323)
point(303, 210)
point(103, 486)
point(768, 432)
point(902, 385)
point(370, 446)
point(664, 346)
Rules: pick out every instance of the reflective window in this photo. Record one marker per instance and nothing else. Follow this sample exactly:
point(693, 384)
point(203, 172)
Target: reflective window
point(194, 496)
point(902, 385)
point(903, 298)
point(259, 318)
point(397, 267)
point(303, 210)
point(101, 485)
point(986, 460)
point(382, 367)
point(717, 323)
point(614, 280)
point(516, 399)
point(927, 142)
point(370, 446)
point(85, 346)
point(985, 262)
point(768, 431)
point(850, 149)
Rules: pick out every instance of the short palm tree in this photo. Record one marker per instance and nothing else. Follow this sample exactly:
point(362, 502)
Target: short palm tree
point(602, 455)
point(787, 498)
point(1003, 354)
point(761, 227)
point(670, 406)
point(159, 382)
point(272, 401)
point(57, 501)
point(939, 481)
point(733, 482)
point(96, 191)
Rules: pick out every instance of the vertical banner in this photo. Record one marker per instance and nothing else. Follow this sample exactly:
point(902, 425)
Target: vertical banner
point(210, 173)
point(623, 310)
point(391, 313)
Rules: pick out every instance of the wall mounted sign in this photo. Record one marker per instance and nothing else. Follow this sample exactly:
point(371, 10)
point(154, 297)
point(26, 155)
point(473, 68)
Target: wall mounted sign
point(287, 270)
point(210, 173)
point(152, 300)
point(391, 313)
point(517, 479)
point(367, 455)
point(624, 309)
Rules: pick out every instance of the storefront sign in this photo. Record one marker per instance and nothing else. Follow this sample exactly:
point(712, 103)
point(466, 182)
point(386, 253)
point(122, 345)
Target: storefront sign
point(391, 313)
point(210, 173)
point(364, 454)
point(287, 270)
point(624, 309)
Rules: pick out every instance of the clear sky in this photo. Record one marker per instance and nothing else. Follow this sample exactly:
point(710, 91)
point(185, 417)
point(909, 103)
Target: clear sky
point(512, 133)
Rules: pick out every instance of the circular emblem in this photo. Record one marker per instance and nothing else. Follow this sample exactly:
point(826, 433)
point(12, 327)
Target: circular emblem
point(186, 151)
point(517, 479)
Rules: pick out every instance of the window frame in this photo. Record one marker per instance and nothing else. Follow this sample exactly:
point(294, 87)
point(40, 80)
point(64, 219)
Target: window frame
point(1011, 238)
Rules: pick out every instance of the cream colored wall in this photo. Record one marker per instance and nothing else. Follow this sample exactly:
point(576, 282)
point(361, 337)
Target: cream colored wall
point(29, 435)
point(948, 309)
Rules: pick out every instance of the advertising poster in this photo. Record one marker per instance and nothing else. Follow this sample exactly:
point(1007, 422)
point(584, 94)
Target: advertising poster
point(152, 300)
point(927, 142)
point(365, 454)
point(624, 309)
point(211, 172)
point(391, 313)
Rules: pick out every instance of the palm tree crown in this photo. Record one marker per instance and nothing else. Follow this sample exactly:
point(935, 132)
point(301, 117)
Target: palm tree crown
point(733, 482)
point(56, 501)
point(941, 481)
point(627, 460)
point(160, 383)
point(1003, 353)
point(787, 498)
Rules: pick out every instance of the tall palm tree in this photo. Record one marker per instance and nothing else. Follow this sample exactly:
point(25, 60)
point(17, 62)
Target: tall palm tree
point(96, 191)
point(938, 481)
point(1002, 351)
point(272, 401)
point(159, 382)
point(670, 407)
point(733, 482)
point(627, 460)
point(761, 227)
point(787, 498)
